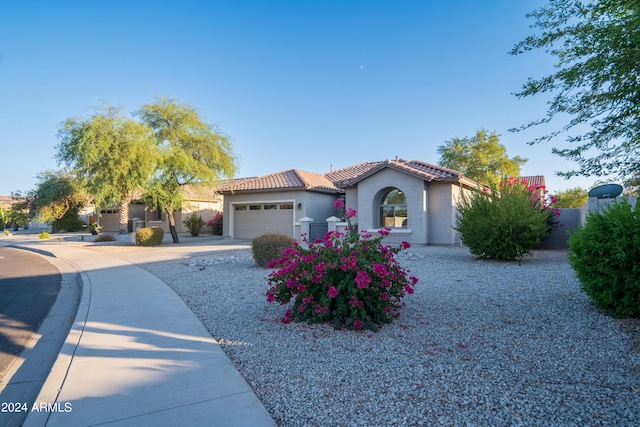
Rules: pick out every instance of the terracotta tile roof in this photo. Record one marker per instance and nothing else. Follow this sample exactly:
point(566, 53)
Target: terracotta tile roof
point(353, 174)
point(292, 179)
point(201, 193)
point(336, 181)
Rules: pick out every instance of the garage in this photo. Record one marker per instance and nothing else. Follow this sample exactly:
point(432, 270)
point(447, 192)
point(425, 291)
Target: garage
point(251, 220)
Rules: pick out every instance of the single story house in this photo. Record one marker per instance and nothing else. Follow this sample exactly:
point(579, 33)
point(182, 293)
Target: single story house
point(205, 201)
point(417, 200)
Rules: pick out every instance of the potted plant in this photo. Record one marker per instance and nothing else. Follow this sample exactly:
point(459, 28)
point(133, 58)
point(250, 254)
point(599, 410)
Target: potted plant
point(94, 227)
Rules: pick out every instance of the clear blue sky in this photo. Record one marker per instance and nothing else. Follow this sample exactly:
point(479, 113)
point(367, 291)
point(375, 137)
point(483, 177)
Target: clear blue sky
point(295, 84)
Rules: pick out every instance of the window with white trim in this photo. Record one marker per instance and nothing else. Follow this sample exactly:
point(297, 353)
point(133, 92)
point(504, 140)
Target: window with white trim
point(393, 209)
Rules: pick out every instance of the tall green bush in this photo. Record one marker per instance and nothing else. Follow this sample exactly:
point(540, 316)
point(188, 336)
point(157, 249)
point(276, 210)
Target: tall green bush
point(505, 223)
point(605, 254)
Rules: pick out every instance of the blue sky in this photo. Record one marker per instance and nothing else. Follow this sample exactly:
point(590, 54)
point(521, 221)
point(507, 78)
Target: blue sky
point(295, 84)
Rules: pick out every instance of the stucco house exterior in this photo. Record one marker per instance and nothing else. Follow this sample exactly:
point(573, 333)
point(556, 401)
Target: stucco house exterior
point(415, 199)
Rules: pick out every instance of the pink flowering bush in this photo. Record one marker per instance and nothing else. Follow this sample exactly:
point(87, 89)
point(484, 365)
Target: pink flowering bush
point(216, 224)
point(507, 221)
point(348, 279)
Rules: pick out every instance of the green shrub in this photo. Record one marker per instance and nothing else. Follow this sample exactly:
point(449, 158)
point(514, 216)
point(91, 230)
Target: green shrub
point(44, 235)
point(194, 223)
point(70, 224)
point(149, 236)
point(269, 247)
point(503, 224)
point(104, 238)
point(604, 254)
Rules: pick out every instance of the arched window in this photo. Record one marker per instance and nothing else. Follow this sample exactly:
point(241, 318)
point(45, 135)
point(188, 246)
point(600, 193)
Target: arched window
point(393, 209)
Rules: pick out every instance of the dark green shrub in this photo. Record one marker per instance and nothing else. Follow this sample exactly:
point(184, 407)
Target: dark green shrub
point(605, 254)
point(194, 223)
point(149, 236)
point(269, 247)
point(70, 224)
point(503, 224)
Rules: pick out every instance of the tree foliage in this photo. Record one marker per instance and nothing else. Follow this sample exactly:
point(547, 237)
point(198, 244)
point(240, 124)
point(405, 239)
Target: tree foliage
point(57, 195)
point(191, 152)
point(113, 156)
point(596, 82)
point(572, 198)
point(481, 158)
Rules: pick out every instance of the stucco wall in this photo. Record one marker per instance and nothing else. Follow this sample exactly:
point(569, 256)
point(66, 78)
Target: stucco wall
point(368, 196)
point(572, 218)
point(442, 213)
point(319, 206)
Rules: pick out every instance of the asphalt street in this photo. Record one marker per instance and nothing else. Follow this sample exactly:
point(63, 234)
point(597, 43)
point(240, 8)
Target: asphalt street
point(29, 286)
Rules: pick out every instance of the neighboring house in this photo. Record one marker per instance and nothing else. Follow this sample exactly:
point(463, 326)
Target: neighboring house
point(415, 199)
point(203, 200)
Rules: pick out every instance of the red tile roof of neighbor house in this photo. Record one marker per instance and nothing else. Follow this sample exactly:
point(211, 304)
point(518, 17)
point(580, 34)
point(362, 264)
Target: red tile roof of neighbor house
point(535, 180)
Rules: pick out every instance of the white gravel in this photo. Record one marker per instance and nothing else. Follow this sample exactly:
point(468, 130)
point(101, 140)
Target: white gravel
point(479, 343)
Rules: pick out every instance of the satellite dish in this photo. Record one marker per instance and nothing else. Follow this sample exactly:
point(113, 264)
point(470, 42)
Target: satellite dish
point(607, 191)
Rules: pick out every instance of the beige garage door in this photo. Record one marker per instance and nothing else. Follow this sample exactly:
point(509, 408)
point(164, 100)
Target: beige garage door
point(253, 220)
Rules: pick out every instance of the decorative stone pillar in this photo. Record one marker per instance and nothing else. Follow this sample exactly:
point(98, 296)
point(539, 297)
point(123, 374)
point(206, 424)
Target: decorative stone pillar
point(332, 223)
point(304, 227)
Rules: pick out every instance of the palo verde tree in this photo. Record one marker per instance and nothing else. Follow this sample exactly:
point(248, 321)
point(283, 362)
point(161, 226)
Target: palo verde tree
point(596, 84)
point(481, 158)
point(114, 156)
point(192, 152)
point(57, 195)
point(572, 198)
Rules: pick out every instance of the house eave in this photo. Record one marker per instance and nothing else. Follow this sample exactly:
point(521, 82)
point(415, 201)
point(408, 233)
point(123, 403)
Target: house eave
point(282, 190)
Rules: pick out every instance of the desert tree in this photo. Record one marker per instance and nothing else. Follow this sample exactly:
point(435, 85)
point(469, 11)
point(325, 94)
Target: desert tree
point(595, 88)
point(572, 198)
point(57, 195)
point(192, 152)
point(481, 157)
point(114, 156)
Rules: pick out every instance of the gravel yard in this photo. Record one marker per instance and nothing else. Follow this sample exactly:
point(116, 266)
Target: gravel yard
point(479, 343)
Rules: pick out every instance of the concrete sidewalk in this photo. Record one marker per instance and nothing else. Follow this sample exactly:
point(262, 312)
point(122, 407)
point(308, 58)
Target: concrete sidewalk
point(136, 355)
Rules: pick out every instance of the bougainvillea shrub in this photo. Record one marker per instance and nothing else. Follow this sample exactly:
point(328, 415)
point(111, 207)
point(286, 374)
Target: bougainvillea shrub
point(349, 279)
